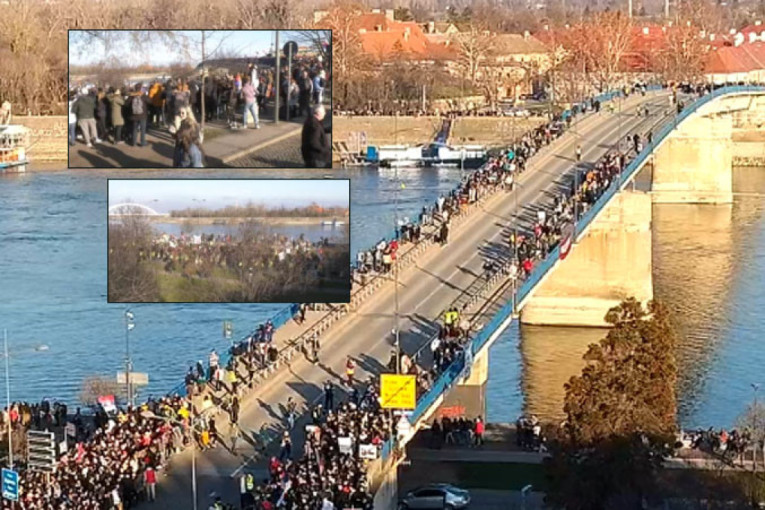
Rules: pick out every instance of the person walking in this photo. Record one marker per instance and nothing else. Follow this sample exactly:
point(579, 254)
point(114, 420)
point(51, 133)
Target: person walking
point(479, 431)
point(329, 396)
point(139, 113)
point(248, 93)
point(85, 110)
point(291, 411)
point(315, 145)
point(578, 153)
point(116, 103)
point(350, 370)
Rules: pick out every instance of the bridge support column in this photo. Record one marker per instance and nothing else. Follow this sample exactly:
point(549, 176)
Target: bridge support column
point(695, 163)
point(468, 398)
point(610, 263)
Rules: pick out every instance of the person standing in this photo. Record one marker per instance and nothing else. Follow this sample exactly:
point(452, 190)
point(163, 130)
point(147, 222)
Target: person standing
point(102, 106)
point(85, 110)
point(248, 93)
point(306, 90)
point(350, 371)
point(150, 482)
point(315, 144)
point(479, 430)
point(116, 102)
point(72, 119)
point(329, 396)
point(318, 87)
point(139, 113)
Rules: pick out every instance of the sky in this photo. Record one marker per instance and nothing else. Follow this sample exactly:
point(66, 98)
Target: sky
point(245, 43)
point(165, 195)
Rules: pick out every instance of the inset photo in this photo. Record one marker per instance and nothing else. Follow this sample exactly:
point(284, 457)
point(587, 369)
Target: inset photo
point(229, 241)
point(200, 98)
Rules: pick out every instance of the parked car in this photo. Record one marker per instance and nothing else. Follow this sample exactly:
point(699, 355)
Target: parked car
point(442, 496)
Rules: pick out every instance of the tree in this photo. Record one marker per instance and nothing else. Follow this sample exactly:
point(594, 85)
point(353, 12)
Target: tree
point(601, 42)
point(98, 386)
point(683, 56)
point(348, 59)
point(473, 46)
point(620, 413)
point(129, 278)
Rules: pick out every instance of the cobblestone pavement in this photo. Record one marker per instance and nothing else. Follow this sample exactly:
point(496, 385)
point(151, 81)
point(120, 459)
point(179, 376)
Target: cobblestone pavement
point(283, 154)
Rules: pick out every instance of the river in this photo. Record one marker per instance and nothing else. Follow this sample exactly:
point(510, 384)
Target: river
point(709, 264)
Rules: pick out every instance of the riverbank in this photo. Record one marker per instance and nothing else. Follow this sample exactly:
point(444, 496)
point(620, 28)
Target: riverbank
point(281, 220)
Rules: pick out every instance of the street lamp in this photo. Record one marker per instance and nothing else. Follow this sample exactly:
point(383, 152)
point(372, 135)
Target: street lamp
point(395, 275)
point(129, 325)
point(8, 400)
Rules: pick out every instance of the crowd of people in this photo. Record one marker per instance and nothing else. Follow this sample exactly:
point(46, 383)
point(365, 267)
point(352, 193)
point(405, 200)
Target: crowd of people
point(331, 474)
point(122, 113)
point(199, 253)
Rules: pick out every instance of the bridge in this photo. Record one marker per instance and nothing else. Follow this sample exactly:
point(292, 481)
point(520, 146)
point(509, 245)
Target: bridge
point(611, 238)
point(132, 209)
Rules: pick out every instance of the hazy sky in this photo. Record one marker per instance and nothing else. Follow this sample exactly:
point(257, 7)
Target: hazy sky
point(245, 43)
point(165, 195)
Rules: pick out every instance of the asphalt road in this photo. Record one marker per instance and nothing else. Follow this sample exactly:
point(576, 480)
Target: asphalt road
point(425, 290)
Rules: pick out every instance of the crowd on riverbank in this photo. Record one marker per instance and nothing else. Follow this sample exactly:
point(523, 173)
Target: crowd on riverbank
point(123, 113)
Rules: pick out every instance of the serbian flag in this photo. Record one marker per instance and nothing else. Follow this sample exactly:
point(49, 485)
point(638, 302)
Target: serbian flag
point(566, 241)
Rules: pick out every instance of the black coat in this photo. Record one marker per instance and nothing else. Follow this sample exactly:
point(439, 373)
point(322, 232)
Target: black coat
point(315, 145)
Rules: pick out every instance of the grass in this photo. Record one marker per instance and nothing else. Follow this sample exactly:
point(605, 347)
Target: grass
point(175, 288)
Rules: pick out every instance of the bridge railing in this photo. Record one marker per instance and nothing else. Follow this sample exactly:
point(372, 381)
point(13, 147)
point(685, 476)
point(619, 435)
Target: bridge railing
point(455, 370)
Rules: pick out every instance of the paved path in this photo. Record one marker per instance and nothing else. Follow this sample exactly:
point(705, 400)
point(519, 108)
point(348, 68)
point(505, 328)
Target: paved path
point(222, 147)
point(439, 277)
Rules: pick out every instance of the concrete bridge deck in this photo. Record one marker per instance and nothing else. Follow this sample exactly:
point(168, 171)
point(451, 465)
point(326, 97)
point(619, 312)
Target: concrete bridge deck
point(426, 288)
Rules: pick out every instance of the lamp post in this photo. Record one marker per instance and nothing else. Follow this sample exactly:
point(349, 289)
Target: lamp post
point(8, 399)
point(129, 325)
point(395, 276)
point(755, 424)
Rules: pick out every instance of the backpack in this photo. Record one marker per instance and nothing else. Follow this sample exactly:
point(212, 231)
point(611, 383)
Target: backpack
point(136, 104)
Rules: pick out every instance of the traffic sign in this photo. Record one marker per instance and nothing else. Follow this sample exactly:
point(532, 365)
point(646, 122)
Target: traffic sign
point(290, 44)
point(41, 451)
point(398, 391)
point(10, 484)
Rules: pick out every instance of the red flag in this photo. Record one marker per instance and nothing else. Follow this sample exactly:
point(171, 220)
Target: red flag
point(566, 241)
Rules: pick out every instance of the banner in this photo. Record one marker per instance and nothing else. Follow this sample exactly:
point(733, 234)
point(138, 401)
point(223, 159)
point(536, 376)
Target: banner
point(567, 239)
point(367, 451)
point(107, 402)
point(345, 444)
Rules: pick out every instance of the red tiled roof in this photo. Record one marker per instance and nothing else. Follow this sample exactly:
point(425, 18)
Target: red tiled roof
point(736, 59)
point(757, 29)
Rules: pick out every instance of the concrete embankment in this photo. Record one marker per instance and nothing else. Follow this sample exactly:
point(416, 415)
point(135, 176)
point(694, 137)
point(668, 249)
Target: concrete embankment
point(749, 149)
point(47, 137)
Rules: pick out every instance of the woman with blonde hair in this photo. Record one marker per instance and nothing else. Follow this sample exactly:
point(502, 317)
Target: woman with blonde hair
point(188, 142)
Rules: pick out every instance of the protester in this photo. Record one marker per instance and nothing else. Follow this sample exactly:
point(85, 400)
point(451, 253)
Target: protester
point(248, 93)
point(116, 103)
point(72, 119)
point(85, 110)
point(188, 143)
point(139, 113)
point(315, 144)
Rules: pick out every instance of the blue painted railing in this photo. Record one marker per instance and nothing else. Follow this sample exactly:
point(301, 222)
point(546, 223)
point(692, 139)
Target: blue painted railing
point(279, 319)
point(453, 372)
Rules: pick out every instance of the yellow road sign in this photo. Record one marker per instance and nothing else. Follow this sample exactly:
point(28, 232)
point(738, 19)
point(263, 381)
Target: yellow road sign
point(398, 391)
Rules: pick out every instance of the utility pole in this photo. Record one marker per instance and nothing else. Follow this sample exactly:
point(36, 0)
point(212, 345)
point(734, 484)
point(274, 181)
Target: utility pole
point(202, 89)
point(395, 276)
point(277, 79)
point(8, 398)
point(629, 6)
point(666, 9)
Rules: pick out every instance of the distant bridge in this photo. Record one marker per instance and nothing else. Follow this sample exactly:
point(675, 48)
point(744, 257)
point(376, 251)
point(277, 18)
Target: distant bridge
point(133, 209)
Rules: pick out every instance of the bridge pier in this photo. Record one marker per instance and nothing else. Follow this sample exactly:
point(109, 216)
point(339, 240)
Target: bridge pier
point(695, 162)
point(468, 398)
point(611, 262)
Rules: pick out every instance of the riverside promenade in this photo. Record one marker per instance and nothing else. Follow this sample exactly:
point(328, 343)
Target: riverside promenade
point(223, 147)
point(432, 279)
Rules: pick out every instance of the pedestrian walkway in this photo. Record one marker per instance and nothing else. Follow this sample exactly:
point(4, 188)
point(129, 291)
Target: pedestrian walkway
point(222, 145)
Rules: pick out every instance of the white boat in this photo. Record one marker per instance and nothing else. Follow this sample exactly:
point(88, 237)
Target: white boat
point(434, 154)
point(332, 223)
point(14, 141)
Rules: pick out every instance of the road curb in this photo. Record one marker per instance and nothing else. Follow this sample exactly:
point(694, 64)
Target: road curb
point(263, 145)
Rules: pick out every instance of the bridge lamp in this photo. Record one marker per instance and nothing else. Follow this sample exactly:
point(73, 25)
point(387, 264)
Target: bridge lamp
point(129, 326)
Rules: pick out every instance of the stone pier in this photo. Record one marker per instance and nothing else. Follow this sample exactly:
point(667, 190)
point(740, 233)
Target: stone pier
point(611, 262)
point(695, 163)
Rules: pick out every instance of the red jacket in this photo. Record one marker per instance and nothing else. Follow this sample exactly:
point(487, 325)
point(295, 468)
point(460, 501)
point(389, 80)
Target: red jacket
point(479, 427)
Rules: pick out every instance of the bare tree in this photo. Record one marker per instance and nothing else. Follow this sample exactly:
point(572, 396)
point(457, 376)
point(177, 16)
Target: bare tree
point(473, 46)
point(98, 386)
